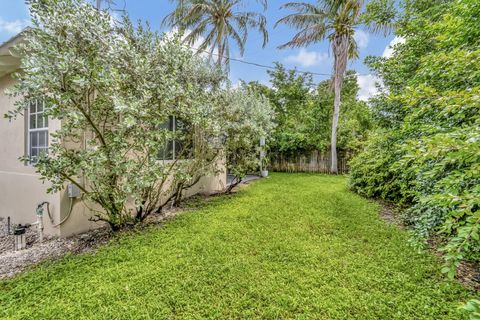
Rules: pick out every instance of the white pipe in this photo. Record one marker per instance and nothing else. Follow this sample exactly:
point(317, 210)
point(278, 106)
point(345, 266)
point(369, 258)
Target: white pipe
point(39, 221)
point(40, 227)
point(39, 224)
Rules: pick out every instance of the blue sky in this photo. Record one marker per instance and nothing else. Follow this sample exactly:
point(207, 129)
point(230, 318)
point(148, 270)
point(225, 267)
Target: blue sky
point(315, 58)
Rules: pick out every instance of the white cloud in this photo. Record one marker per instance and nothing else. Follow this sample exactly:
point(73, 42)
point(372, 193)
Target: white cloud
point(266, 83)
point(362, 38)
point(13, 27)
point(368, 86)
point(307, 58)
point(389, 50)
point(115, 18)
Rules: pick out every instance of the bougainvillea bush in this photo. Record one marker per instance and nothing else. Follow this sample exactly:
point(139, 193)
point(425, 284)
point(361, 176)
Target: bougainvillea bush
point(425, 153)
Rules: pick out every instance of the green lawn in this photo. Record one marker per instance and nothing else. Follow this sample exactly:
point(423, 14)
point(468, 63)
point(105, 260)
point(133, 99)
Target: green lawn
point(292, 246)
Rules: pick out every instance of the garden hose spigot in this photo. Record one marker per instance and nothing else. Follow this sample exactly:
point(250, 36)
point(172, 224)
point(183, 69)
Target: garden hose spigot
point(39, 223)
point(39, 210)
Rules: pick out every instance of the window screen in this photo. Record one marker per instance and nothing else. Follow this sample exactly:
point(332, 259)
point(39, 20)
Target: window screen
point(37, 130)
point(176, 148)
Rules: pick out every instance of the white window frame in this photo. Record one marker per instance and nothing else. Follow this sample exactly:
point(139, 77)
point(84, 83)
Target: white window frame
point(30, 130)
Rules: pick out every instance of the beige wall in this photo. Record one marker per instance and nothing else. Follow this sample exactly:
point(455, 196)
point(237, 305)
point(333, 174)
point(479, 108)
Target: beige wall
point(213, 183)
point(78, 221)
point(21, 188)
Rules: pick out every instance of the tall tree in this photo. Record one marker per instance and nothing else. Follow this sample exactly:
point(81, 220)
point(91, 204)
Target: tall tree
point(336, 21)
point(303, 113)
point(111, 101)
point(215, 22)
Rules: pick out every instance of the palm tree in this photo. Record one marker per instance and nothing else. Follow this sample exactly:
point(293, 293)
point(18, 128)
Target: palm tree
point(335, 21)
point(214, 23)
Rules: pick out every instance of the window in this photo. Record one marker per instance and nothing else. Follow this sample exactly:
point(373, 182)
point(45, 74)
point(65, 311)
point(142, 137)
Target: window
point(37, 130)
point(181, 145)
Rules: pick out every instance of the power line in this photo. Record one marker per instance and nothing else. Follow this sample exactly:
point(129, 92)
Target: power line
point(273, 68)
point(256, 64)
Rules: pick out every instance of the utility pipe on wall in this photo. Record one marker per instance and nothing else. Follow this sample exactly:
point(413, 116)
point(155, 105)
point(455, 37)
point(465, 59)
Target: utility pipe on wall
point(39, 222)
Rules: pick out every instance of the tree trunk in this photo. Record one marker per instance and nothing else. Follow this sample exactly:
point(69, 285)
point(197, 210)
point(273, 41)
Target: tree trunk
point(220, 51)
point(221, 42)
point(235, 182)
point(340, 51)
point(336, 114)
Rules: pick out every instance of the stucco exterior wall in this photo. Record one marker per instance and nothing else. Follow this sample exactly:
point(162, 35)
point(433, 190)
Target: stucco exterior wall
point(213, 183)
point(20, 187)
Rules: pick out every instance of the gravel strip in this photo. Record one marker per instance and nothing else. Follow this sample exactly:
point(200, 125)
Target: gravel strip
point(13, 262)
point(7, 241)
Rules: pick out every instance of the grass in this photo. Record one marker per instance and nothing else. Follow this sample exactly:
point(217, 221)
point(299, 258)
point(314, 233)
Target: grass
point(292, 246)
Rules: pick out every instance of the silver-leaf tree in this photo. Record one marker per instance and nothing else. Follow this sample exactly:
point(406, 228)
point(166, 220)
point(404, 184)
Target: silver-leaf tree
point(112, 86)
point(248, 117)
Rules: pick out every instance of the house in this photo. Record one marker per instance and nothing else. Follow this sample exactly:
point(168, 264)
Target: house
point(21, 189)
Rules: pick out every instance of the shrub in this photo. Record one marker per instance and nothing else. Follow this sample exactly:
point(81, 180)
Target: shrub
point(112, 86)
point(249, 117)
point(426, 151)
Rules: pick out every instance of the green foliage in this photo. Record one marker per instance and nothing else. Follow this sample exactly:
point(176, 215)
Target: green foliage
point(249, 117)
point(303, 113)
point(216, 24)
point(294, 246)
point(426, 152)
point(109, 87)
point(336, 22)
point(380, 15)
point(473, 308)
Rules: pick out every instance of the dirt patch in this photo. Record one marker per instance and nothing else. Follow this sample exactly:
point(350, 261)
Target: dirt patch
point(390, 213)
point(469, 275)
point(13, 262)
point(7, 241)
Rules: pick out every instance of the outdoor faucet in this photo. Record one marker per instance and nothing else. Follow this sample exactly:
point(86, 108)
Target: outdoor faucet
point(39, 223)
point(40, 207)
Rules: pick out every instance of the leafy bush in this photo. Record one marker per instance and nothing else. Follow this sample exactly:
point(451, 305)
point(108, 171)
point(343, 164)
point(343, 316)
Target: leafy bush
point(426, 152)
point(303, 113)
point(112, 87)
point(473, 309)
point(249, 117)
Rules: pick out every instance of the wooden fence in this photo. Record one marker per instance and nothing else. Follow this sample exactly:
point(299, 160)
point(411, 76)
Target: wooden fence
point(314, 162)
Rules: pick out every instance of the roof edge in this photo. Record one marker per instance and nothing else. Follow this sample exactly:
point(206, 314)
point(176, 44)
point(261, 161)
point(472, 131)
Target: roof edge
point(14, 38)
